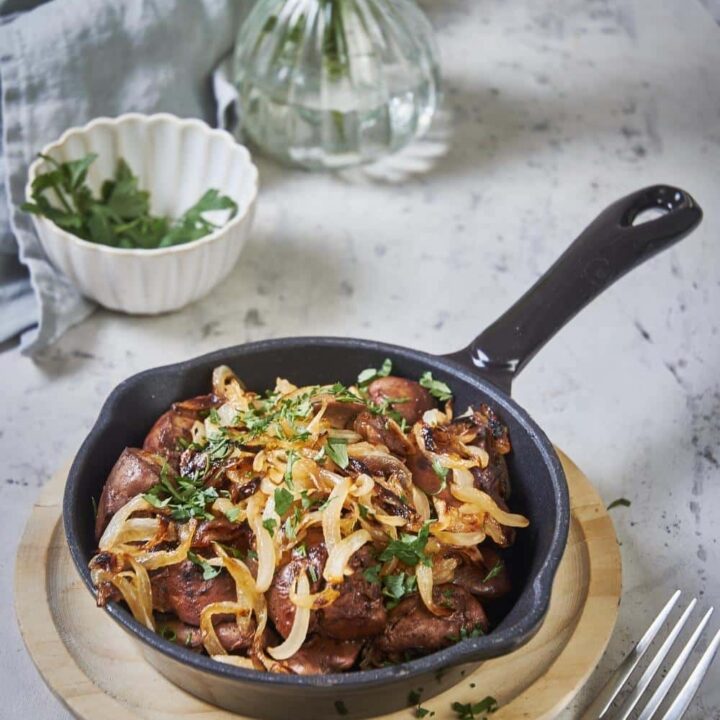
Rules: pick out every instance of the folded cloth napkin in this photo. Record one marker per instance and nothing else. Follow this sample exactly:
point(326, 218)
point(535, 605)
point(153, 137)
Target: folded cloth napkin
point(62, 63)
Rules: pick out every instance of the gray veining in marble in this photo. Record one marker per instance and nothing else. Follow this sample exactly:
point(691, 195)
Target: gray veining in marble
point(553, 109)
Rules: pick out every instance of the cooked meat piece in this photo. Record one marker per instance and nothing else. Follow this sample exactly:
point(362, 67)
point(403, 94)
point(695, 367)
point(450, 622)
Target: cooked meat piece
point(474, 578)
point(359, 611)
point(135, 472)
point(174, 424)
point(242, 492)
point(392, 504)
point(232, 637)
point(320, 655)
point(223, 531)
point(377, 429)
point(340, 415)
point(423, 474)
point(280, 608)
point(412, 628)
point(494, 479)
point(407, 397)
point(181, 589)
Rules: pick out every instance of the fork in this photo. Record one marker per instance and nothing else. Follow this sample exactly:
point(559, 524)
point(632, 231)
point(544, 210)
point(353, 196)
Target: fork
point(601, 707)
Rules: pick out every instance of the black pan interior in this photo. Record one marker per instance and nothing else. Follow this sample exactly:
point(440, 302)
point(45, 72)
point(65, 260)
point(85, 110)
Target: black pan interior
point(539, 488)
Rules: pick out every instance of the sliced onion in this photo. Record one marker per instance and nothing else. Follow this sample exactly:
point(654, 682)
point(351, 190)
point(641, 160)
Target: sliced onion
point(225, 505)
point(259, 461)
point(462, 477)
point(209, 637)
point(115, 526)
point(459, 539)
point(349, 436)
point(227, 414)
point(326, 597)
point(363, 485)
point(434, 417)
point(314, 426)
point(331, 513)
point(478, 453)
point(300, 625)
point(161, 558)
point(424, 576)
point(421, 503)
point(488, 505)
point(197, 432)
point(391, 520)
point(339, 557)
point(265, 550)
point(135, 588)
point(228, 387)
point(284, 387)
point(143, 530)
point(443, 570)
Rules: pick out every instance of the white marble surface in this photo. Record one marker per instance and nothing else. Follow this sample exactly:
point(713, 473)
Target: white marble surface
point(552, 111)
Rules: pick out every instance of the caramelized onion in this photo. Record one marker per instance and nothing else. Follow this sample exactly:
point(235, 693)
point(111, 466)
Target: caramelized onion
point(115, 526)
point(424, 576)
point(300, 625)
point(332, 512)
point(485, 503)
point(339, 557)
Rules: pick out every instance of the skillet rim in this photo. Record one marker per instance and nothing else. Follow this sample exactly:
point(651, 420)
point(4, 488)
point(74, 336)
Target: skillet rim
point(537, 591)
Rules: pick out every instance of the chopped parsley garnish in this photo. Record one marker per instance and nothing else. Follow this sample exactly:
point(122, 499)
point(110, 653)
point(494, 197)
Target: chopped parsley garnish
point(364, 512)
point(494, 571)
point(620, 502)
point(184, 496)
point(305, 500)
point(168, 633)
point(336, 449)
point(209, 572)
point(252, 555)
point(422, 712)
point(409, 549)
point(313, 573)
point(291, 458)
point(464, 634)
point(270, 524)
point(370, 374)
point(372, 574)
point(396, 587)
point(231, 551)
point(232, 514)
point(283, 500)
point(436, 388)
point(301, 550)
point(289, 529)
point(475, 711)
point(214, 417)
point(442, 472)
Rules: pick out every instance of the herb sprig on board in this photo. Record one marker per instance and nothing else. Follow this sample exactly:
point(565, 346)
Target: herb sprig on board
point(120, 216)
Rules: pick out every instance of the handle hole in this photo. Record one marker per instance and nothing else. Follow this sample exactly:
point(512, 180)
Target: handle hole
point(649, 214)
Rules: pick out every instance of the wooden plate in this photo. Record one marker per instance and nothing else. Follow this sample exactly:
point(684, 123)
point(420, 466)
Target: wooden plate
point(95, 669)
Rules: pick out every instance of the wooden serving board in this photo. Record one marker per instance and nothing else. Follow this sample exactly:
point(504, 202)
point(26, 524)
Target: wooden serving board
point(97, 672)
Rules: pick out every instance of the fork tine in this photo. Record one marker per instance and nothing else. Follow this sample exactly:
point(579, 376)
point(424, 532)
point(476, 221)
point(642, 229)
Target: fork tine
point(629, 703)
point(662, 689)
point(602, 702)
point(686, 694)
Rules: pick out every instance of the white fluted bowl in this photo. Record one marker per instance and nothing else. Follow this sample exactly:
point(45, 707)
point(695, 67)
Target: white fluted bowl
point(177, 160)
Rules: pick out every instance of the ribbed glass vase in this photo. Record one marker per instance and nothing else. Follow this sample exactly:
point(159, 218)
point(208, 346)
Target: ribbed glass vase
point(326, 84)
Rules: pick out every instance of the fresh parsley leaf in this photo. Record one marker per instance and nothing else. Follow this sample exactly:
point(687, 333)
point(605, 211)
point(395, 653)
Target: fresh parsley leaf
point(209, 572)
point(289, 528)
point(252, 554)
point(313, 573)
point(184, 496)
point(372, 574)
point(440, 470)
point(494, 571)
point(475, 711)
point(214, 417)
point(364, 512)
point(410, 549)
point(120, 215)
point(422, 712)
point(270, 524)
point(291, 458)
point(436, 388)
point(414, 697)
point(283, 500)
point(370, 374)
point(620, 502)
point(336, 450)
point(305, 500)
point(168, 633)
point(396, 587)
point(301, 550)
point(232, 514)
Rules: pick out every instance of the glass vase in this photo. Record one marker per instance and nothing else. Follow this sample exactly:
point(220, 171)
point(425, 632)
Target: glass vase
point(326, 84)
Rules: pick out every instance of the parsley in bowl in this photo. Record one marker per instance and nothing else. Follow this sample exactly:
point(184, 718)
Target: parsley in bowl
point(143, 213)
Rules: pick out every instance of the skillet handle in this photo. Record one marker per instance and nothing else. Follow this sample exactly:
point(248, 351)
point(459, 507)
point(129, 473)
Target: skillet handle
point(608, 248)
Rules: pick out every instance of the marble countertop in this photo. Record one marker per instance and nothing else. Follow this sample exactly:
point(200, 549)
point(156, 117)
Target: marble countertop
point(552, 111)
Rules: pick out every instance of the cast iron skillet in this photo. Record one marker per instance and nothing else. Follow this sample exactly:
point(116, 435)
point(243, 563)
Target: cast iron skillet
point(482, 372)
